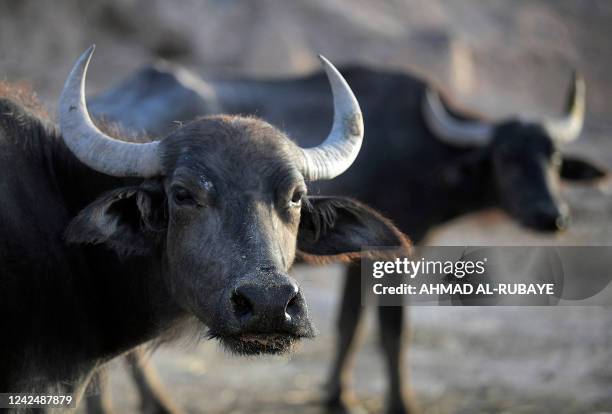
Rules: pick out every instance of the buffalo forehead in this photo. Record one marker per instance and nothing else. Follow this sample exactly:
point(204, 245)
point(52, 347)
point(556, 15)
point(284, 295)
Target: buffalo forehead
point(240, 151)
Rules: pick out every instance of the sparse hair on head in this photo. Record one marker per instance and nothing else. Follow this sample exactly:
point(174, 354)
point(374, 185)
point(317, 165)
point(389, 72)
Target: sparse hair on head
point(22, 93)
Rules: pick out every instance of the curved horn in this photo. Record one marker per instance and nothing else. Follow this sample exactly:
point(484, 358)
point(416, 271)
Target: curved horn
point(342, 145)
point(449, 129)
point(91, 146)
point(569, 127)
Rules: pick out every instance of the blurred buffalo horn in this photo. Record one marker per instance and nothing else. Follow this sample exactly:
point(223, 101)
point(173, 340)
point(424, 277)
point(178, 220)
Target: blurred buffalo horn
point(569, 127)
point(451, 130)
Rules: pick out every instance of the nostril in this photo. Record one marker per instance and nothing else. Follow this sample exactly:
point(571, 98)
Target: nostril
point(292, 301)
point(293, 306)
point(242, 306)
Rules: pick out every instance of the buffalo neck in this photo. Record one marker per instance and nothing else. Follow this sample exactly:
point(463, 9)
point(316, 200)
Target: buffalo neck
point(125, 298)
point(474, 192)
point(78, 305)
point(456, 189)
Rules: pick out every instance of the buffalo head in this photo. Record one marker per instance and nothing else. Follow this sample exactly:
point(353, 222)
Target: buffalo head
point(222, 206)
point(523, 156)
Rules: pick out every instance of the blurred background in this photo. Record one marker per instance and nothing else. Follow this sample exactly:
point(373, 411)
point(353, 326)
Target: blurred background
point(499, 57)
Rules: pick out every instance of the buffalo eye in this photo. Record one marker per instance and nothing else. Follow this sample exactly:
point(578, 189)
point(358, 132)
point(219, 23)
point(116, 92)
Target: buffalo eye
point(182, 196)
point(296, 198)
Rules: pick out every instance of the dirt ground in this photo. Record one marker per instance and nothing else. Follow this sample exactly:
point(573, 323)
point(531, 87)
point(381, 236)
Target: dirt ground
point(498, 56)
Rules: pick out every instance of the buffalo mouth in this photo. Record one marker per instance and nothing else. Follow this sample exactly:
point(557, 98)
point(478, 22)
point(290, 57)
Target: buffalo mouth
point(252, 344)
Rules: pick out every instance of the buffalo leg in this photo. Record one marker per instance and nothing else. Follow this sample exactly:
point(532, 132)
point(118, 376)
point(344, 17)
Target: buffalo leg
point(340, 396)
point(391, 321)
point(152, 399)
point(97, 396)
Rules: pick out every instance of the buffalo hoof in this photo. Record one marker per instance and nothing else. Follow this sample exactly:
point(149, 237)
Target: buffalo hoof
point(98, 404)
point(158, 407)
point(343, 404)
point(400, 407)
point(398, 410)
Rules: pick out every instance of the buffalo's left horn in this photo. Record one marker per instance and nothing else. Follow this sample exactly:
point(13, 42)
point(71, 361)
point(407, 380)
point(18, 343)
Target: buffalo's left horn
point(448, 128)
point(340, 148)
point(90, 145)
point(569, 127)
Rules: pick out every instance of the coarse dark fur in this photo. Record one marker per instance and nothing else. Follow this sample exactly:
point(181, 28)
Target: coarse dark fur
point(93, 265)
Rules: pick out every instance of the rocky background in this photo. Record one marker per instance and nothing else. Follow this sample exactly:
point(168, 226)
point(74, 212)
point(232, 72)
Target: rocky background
point(499, 57)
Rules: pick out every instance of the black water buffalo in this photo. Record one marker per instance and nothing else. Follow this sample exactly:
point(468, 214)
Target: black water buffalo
point(106, 244)
point(424, 163)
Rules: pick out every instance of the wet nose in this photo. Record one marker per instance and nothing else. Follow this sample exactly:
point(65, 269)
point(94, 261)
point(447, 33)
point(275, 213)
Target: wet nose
point(551, 217)
point(268, 304)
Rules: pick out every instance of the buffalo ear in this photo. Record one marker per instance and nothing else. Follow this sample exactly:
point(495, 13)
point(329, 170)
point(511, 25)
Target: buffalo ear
point(129, 220)
point(575, 169)
point(337, 228)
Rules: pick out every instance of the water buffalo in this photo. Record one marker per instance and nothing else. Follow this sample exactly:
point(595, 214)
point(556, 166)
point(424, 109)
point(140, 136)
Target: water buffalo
point(106, 244)
point(426, 162)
